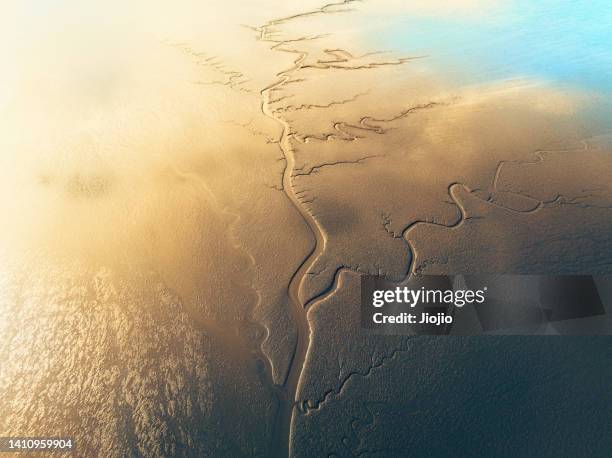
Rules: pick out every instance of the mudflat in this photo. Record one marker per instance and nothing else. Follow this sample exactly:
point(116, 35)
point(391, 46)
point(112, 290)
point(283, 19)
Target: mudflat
point(190, 192)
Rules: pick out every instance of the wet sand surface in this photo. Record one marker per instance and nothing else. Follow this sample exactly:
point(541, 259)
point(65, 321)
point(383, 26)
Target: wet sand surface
point(191, 192)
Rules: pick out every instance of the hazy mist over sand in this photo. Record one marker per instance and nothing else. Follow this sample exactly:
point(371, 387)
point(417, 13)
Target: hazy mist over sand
point(190, 191)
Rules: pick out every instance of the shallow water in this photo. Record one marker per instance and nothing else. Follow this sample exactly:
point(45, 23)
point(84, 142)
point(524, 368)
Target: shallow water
point(558, 41)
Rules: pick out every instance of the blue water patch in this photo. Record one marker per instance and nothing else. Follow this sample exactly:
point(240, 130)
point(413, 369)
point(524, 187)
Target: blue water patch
point(562, 41)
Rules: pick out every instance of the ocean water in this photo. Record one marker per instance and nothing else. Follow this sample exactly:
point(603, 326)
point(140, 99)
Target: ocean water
point(563, 42)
